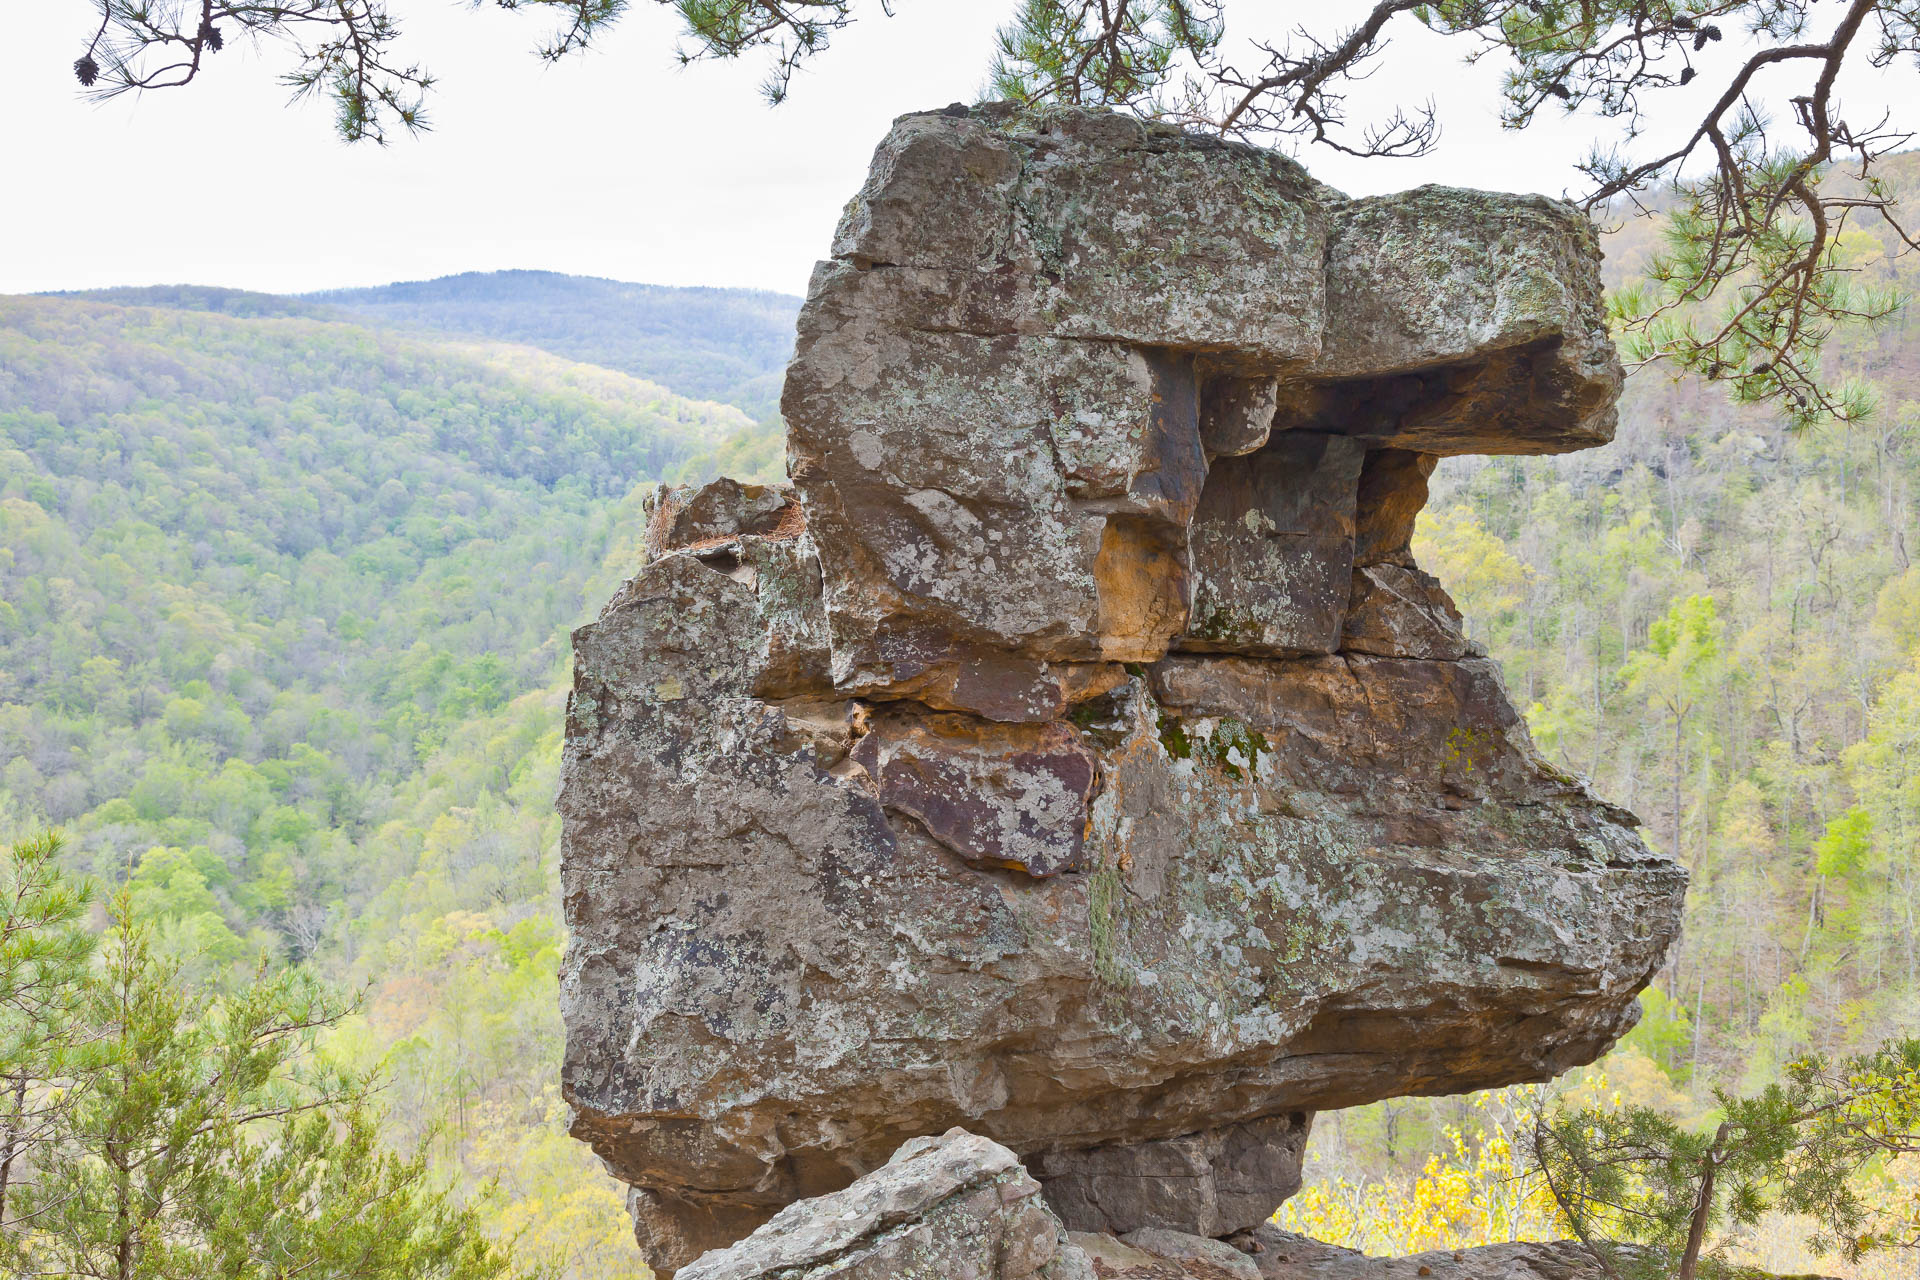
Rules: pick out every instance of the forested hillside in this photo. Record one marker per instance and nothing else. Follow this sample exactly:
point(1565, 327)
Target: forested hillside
point(283, 608)
point(1717, 620)
point(283, 614)
point(712, 344)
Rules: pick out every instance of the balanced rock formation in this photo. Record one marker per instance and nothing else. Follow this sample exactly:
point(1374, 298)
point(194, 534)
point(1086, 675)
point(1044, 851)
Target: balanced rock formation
point(1075, 753)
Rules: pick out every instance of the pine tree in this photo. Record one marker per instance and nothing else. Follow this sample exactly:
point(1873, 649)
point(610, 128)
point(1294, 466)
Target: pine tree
point(43, 965)
point(191, 1131)
point(1636, 1175)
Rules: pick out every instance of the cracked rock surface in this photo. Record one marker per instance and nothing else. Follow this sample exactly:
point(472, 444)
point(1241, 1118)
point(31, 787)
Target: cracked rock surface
point(959, 1207)
point(1074, 752)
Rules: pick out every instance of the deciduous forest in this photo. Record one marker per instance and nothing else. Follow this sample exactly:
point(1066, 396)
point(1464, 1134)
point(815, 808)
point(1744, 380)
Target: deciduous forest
point(285, 591)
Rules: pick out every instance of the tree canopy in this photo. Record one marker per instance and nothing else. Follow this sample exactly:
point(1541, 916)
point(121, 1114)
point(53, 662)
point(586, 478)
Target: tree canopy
point(157, 1127)
point(284, 605)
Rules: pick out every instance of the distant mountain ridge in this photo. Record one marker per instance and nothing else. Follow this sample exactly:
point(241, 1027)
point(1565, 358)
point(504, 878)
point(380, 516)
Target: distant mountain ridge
point(245, 304)
point(726, 345)
point(729, 345)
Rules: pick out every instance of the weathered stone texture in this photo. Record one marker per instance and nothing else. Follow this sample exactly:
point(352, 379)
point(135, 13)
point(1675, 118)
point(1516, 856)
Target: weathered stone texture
point(959, 1207)
point(1394, 612)
point(1280, 1255)
point(1076, 754)
point(1215, 1182)
point(1503, 291)
point(1012, 796)
point(681, 517)
point(1393, 489)
point(1271, 548)
point(955, 1207)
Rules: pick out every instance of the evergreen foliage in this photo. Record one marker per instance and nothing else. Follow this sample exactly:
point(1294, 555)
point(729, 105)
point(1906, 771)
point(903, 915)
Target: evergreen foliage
point(1796, 1146)
point(163, 1127)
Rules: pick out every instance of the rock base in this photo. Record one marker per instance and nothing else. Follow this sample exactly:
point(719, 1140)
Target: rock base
point(1211, 1183)
point(956, 1207)
point(961, 1207)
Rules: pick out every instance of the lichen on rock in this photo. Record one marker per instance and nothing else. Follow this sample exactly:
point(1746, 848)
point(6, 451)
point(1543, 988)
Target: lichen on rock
point(1074, 752)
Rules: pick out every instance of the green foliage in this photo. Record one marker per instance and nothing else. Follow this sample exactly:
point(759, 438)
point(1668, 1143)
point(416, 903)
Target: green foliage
point(162, 1127)
point(1665, 1032)
point(258, 569)
point(44, 949)
point(1843, 851)
point(283, 647)
point(757, 453)
point(1068, 51)
point(1713, 618)
point(1634, 1174)
point(1756, 332)
point(44, 952)
point(283, 606)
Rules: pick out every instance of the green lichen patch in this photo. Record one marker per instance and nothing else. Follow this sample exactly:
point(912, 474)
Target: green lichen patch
point(1105, 903)
point(1237, 748)
point(1227, 745)
point(1173, 737)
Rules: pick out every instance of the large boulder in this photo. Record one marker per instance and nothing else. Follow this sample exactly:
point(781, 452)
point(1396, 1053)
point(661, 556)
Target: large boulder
point(956, 1207)
point(1075, 754)
point(1213, 1183)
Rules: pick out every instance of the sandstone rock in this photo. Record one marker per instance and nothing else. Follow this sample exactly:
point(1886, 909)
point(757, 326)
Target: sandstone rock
point(995, 408)
point(1395, 612)
point(957, 1207)
point(1011, 796)
point(1272, 548)
point(1236, 414)
point(1393, 489)
point(670, 1227)
point(995, 686)
point(1211, 1183)
point(1196, 1256)
point(1308, 883)
point(1111, 1259)
point(1437, 279)
point(1083, 760)
point(1282, 1255)
point(680, 516)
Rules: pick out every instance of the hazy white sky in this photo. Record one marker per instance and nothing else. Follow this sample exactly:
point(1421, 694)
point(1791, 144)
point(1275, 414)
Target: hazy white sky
point(615, 164)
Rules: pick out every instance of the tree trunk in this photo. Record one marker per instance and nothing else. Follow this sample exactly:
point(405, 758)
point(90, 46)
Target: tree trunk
point(10, 1148)
point(1702, 1209)
point(1679, 740)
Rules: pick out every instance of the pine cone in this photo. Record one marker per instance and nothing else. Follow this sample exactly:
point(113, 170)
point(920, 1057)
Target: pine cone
point(86, 70)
